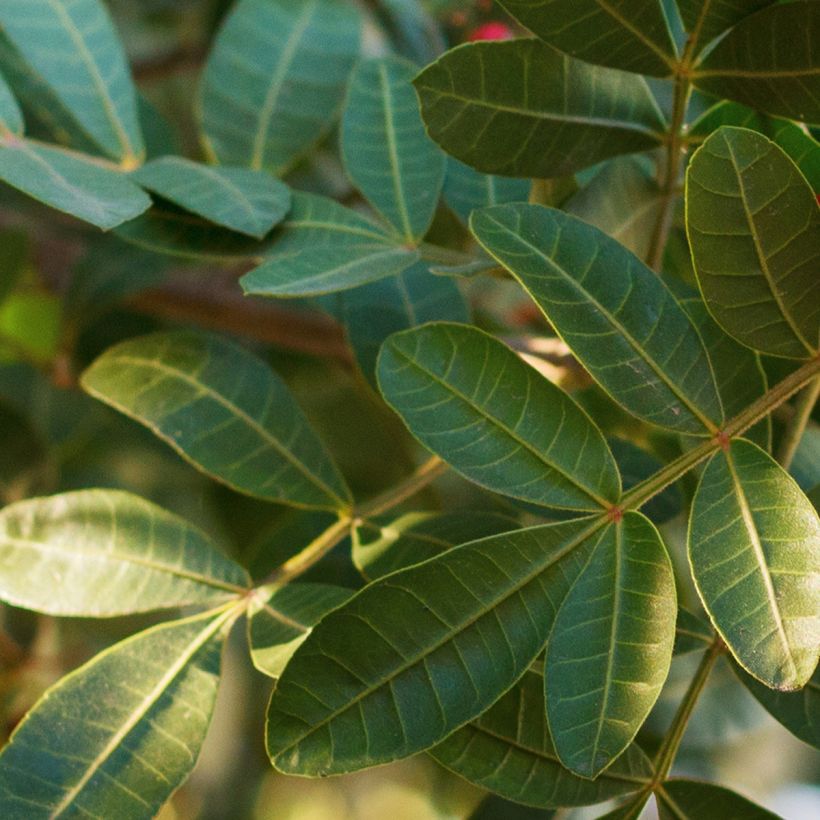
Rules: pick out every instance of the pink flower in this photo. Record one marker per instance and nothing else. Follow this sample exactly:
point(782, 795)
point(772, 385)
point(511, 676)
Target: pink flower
point(491, 31)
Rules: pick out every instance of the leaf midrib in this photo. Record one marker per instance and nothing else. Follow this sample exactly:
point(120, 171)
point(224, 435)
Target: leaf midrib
point(607, 8)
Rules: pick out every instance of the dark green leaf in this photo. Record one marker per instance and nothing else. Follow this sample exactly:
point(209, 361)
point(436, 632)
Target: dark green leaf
point(74, 48)
point(111, 553)
point(685, 799)
point(276, 79)
point(692, 634)
point(509, 751)
point(385, 150)
point(279, 623)
point(466, 189)
point(384, 546)
point(445, 639)
point(494, 807)
point(250, 202)
point(119, 735)
point(471, 400)
point(610, 648)
point(706, 20)
point(222, 409)
point(543, 114)
point(632, 35)
point(621, 322)
point(753, 549)
point(750, 64)
point(753, 226)
point(805, 466)
point(11, 117)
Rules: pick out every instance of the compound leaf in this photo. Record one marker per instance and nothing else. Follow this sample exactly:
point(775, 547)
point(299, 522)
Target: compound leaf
point(240, 199)
point(222, 409)
point(754, 226)
point(116, 737)
point(522, 109)
point(276, 79)
point(753, 539)
point(111, 553)
point(386, 152)
point(73, 47)
point(445, 639)
point(471, 400)
point(620, 320)
point(610, 648)
point(632, 35)
point(508, 750)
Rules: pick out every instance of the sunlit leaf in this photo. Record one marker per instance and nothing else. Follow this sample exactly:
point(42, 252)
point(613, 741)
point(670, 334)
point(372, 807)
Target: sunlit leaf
point(278, 624)
point(750, 64)
point(222, 409)
point(753, 549)
point(250, 202)
point(509, 751)
point(545, 115)
point(119, 735)
point(610, 648)
point(386, 152)
point(471, 400)
point(632, 35)
point(695, 800)
point(104, 552)
point(276, 78)
point(444, 640)
point(754, 226)
point(74, 48)
point(620, 320)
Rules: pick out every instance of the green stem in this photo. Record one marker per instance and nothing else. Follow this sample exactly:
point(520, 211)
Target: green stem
point(797, 425)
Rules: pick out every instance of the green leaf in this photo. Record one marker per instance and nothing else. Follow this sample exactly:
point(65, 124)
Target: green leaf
point(117, 737)
point(223, 410)
point(11, 117)
point(280, 623)
point(70, 182)
point(415, 32)
point(386, 545)
point(112, 553)
point(276, 78)
point(74, 48)
point(801, 146)
point(753, 226)
point(692, 634)
point(620, 320)
point(323, 247)
point(445, 639)
point(508, 750)
point(544, 115)
point(632, 35)
point(684, 799)
point(375, 311)
point(630, 810)
point(706, 20)
point(623, 201)
point(385, 150)
point(493, 807)
point(466, 189)
point(610, 648)
point(753, 541)
point(250, 202)
point(751, 66)
point(496, 420)
point(798, 711)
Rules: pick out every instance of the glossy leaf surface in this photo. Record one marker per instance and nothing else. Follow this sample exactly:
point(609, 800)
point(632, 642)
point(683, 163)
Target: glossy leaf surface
point(685, 799)
point(610, 648)
point(543, 114)
point(94, 745)
point(750, 64)
point(74, 48)
point(754, 230)
point(632, 35)
point(222, 409)
point(445, 640)
point(508, 750)
point(276, 78)
point(753, 549)
point(386, 152)
point(471, 400)
point(250, 202)
point(279, 624)
point(113, 554)
point(621, 322)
